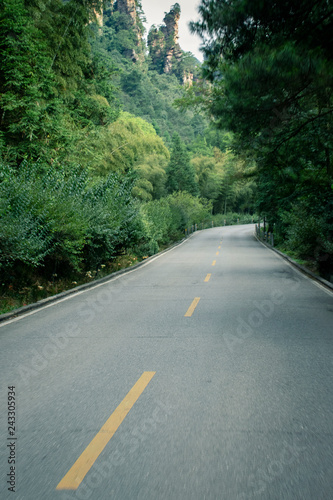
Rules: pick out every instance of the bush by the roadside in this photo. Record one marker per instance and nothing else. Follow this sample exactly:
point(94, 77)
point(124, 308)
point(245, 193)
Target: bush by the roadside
point(60, 227)
point(165, 220)
point(309, 236)
point(55, 218)
point(233, 218)
point(187, 210)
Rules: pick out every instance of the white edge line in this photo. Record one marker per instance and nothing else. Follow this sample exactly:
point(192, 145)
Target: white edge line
point(75, 294)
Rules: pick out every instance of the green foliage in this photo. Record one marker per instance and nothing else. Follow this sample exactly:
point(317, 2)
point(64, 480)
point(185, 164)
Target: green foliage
point(50, 85)
point(233, 218)
point(146, 93)
point(180, 173)
point(302, 230)
point(308, 233)
point(156, 44)
point(165, 220)
point(128, 143)
point(60, 220)
point(151, 172)
point(112, 217)
point(157, 221)
point(56, 218)
point(226, 180)
point(151, 96)
point(188, 209)
point(124, 36)
point(237, 27)
point(271, 85)
point(31, 113)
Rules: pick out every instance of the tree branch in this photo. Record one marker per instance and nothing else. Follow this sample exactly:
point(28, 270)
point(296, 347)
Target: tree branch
point(298, 129)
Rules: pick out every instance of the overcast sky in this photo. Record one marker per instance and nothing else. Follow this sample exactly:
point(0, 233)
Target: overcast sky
point(154, 11)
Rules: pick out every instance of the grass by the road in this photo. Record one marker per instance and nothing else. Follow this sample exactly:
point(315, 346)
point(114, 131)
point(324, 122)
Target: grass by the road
point(29, 289)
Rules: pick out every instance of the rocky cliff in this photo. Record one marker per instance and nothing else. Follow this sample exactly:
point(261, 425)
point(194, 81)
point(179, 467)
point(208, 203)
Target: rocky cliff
point(127, 7)
point(164, 49)
point(166, 56)
point(171, 37)
point(163, 45)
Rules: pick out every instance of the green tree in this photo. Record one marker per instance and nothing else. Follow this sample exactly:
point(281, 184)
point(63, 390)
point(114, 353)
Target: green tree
point(180, 173)
point(271, 71)
point(226, 180)
point(271, 74)
point(51, 87)
point(31, 113)
point(129, 143)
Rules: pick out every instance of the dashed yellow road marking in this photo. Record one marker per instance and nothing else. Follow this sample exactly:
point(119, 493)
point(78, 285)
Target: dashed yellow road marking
point(208, 277)
point(74, 477)
point(214, 262)
point(217, 253)
point(194, 304)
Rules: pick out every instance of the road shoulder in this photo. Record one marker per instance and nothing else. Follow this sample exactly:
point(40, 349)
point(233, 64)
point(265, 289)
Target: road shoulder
point(302, 269)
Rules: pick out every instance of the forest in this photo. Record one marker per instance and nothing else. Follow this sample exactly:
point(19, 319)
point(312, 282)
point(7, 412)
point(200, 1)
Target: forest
point(114, 141)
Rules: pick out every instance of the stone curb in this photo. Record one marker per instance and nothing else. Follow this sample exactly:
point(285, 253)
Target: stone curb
point(301, 268)
point(37, 305)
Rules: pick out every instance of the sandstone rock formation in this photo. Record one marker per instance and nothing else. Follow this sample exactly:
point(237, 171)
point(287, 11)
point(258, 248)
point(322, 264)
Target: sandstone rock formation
point(127, 7)
point(163, 45)
point(165, 53)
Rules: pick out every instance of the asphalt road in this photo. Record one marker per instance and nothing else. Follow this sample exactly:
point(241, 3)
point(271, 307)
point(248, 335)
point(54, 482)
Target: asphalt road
point(205, 374)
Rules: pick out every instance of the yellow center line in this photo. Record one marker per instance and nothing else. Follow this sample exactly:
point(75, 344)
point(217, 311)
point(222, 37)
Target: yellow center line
point(194, 304)
point(219, 247)
point(217, 253)
point(214, 262)
point(208, 277)
point(74, 477)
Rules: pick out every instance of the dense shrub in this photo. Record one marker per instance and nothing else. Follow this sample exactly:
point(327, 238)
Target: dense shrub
point(65, 221)
point(165, 220)
point(56, 217)
point(157, 219)
point(309, 236)
point(233, 218)
point(187, 210)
